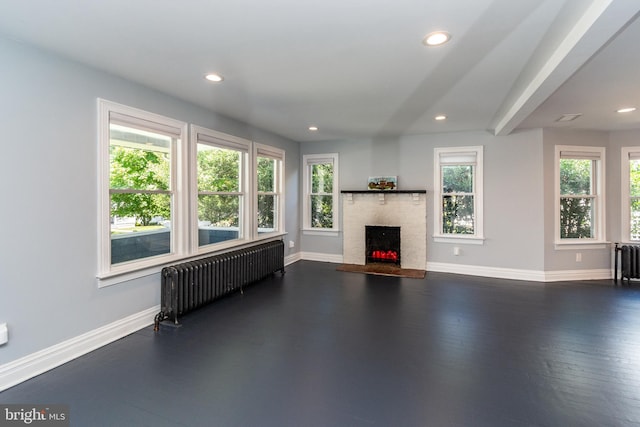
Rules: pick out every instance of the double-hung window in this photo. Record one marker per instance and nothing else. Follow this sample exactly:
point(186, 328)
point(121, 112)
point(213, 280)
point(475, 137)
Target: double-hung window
point(580, 194)
point(222, 183)
point(631, 194)
point(320, 192)
point(268, 166)
point(142, 200)
point(458, 193)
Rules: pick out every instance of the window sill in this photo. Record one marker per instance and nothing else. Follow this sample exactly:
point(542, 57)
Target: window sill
point(463, 240)
point(116, 277)
point(153, 266)
point(332, 232)
point(573, 245)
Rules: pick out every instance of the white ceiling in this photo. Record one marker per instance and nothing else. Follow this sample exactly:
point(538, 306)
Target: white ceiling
point(358, 68)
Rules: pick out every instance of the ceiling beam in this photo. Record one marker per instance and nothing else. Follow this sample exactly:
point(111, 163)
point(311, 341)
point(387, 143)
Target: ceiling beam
point(558, 60)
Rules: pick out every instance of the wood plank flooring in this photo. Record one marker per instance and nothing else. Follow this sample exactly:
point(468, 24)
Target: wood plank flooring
point(318, 347)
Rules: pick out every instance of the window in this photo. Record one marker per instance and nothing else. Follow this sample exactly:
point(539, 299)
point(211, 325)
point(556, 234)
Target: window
point(458, 194)
point(579, 194)
point(221, 181)
point(320, 192)
point(164, 198)
point(269, 173)
point(142, 201)
point(631, 194)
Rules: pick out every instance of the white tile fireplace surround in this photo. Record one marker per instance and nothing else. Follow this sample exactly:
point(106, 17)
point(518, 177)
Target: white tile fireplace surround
point(393, 209)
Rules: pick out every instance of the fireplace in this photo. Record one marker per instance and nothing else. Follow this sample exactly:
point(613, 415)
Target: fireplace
point(382, 244)
point(405, 210)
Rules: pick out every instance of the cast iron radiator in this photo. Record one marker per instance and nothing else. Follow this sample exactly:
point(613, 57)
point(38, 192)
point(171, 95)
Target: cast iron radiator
point(629, 262)
point(190, 285)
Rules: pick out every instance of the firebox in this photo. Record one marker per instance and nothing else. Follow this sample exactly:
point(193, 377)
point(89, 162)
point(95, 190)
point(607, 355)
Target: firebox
point(382, 244)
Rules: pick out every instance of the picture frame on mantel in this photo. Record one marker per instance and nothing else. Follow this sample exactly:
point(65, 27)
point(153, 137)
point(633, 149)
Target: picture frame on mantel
point(382, 183)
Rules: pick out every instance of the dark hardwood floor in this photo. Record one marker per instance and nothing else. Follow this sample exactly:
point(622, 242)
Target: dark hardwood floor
point(317, 347)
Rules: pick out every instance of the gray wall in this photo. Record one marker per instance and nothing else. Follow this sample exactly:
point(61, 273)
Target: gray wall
point(48, 235)
point(519, 192)
point(513, 191)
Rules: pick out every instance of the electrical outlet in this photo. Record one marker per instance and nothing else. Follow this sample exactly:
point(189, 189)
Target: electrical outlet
point(292, 244)
point(4, 333)
point(578, 257)
point(456, 251)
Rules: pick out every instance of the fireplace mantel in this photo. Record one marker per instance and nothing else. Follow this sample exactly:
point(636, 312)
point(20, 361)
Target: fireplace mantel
point(384, 191)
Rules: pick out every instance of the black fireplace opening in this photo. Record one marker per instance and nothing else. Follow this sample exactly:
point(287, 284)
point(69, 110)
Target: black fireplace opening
point(382, 244)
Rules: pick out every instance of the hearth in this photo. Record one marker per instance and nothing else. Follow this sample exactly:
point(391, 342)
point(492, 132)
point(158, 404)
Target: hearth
point(382, 244)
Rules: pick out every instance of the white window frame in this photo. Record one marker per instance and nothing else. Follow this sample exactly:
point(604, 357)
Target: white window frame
point(179, 234)
point(627, 154)
point(464, 156)
point(583, 152)
point(201, 135)
point(184, 192)
point(261, 150)
point(308, 160)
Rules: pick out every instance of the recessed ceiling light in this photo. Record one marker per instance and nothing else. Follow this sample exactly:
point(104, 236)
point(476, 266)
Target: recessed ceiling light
point(436, 38)
point(440, 117)
point(213, 77)
point(313, 128)
point(626, 110)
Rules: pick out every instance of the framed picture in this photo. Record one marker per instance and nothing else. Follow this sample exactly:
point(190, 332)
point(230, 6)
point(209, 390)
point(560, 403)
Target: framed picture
point(385, 183)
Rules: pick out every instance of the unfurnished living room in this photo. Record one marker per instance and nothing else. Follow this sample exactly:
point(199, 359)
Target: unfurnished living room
point(336, 213)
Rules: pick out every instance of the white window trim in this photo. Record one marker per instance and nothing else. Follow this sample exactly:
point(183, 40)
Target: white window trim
point(625, 228)
point(179, 239)
point(307, 161)
point(214, 138)
point(472, 239)
point(184, 189)
point(599, 241)
point(261, 150)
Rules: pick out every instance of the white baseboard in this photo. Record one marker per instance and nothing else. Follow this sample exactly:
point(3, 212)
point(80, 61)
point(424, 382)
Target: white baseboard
point(516, 274)
point(317, 256)
point(27, 367)
point(560, 276)
point(475, 270)
point(290, 259)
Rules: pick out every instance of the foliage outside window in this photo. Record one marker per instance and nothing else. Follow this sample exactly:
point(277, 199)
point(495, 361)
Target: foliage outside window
point(580, 209)
point(139, 176)
point(320, 186)
point(458, 177)
point(631, 193)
